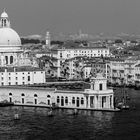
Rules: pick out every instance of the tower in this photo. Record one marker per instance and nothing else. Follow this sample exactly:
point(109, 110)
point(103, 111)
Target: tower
point(4, 21)
point(48, 39)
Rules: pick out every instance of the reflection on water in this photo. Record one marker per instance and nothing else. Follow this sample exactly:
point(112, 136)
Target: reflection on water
point(36, 125)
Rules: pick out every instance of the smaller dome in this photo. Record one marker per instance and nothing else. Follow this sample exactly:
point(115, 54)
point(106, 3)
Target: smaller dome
point(4, 15)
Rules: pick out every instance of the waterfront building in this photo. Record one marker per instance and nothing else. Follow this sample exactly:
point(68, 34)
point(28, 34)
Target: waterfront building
point(21, 76)
point(137, 73)
point(117, 71)
point(124, 71)
point(98, 97)
point(130, 70)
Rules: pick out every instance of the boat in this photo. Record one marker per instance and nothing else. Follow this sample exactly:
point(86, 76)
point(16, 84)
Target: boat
point(6, 103)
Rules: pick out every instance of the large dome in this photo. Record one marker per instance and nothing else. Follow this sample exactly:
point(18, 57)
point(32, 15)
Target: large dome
point(9, 37)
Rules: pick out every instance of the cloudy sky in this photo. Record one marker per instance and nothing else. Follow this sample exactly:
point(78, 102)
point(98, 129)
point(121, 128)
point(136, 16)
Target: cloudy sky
point(68, 16)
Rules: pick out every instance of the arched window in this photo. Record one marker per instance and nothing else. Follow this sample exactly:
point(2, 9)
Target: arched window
point(6, 59)
point(73, 100)
point(66, 100)
point(48, 96)
point(82, 101)
point(58, 99)
point(35, 95)
point(22, 94)
point(10, 94)
point(4, 22)
point(11, 59)
point(62, 101)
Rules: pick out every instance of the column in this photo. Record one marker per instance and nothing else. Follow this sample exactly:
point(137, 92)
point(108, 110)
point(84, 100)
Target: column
point(8, 60)
point(112, 105)
point(106, 69)
point(108, 102)
point(96, 101)
point(86, 101)
point(89, 102)
point(100, 102)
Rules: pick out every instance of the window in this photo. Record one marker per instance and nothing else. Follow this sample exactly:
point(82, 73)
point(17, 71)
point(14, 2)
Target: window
point(9, 73)
point(73, 100)
point(2, 83)
point(9, 78)
point(1, 78)
point(58, 100)
point(16, 78)
point(22, 94)
point(23, 73)
point(23, 83)
point(66, 100)
point(35, 95)
point(6, 59)
point(11, 59)
point(82, 101)
point(28, 72)
point(16, 83)
point(48, 96)
point(9, 83)
point(34, 72)
point(100, 87)
point(23, 78)
point(10, 94)
point(28, 78)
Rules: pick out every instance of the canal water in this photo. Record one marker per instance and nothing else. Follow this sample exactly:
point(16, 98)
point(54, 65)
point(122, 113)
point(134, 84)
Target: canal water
point(34, 124)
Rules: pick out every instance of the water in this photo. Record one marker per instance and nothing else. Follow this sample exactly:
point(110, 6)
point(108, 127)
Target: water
point(34, 124)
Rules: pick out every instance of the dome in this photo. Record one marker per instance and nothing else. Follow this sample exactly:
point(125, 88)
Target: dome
point(9, 37)
point(4, 15)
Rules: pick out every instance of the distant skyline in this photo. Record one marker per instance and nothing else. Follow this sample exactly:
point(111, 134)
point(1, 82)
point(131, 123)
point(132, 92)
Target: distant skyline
point(69, 16)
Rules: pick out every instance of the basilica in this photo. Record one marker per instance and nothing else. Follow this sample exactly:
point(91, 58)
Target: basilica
point(11, 53)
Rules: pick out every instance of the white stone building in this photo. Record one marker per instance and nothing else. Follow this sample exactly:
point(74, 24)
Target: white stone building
point(21, 76)
point(98, 97)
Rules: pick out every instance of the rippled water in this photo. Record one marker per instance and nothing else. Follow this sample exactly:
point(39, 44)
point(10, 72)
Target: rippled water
point(34, 124)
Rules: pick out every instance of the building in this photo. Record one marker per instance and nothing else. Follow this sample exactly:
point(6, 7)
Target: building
point(21, 76)
point(124, 71)
point(11, 53)
point(98, 97)
point(71, 50)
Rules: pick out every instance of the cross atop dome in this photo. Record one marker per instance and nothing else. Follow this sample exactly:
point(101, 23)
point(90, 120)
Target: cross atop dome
point(4, 21)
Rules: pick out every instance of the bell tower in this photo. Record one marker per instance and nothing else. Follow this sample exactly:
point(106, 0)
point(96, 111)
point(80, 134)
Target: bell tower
point(48, 39)
point(4, 20)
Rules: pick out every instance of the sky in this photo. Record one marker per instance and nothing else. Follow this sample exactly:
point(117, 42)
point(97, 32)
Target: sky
point(69, 16)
